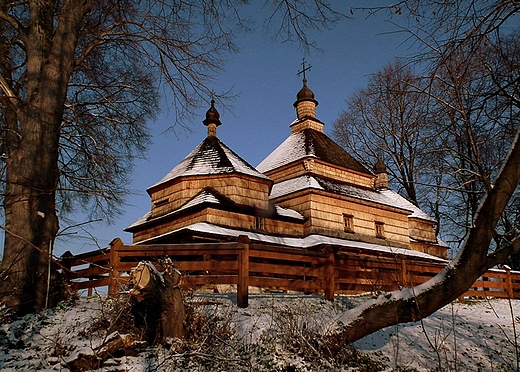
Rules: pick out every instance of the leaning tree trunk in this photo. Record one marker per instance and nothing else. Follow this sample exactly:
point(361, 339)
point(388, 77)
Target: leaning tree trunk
point(413, 304)
point(32, 149)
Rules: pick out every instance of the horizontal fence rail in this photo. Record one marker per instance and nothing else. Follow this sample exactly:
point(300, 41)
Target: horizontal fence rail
point(272, 268)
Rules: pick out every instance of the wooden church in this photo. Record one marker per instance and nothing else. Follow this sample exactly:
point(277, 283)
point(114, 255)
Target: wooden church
point(307, 192)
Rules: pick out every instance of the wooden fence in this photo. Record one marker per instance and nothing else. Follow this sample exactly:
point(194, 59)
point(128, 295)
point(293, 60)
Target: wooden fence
point(273, 268)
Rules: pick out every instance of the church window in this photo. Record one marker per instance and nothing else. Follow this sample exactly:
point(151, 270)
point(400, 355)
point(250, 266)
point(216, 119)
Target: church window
point(380, 229)
point(259, 223)
point(161, 202)
point(348, 223)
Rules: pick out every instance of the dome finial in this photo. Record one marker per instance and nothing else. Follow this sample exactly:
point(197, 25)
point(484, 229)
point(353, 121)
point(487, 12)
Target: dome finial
point(305, 103)
point(381, 180)
point(303, 70)
point(379, 166)
point(212, 119)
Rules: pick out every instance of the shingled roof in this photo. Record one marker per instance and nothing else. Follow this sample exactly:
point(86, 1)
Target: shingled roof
point(385, 197)
point(210, 157)
point(310, 143)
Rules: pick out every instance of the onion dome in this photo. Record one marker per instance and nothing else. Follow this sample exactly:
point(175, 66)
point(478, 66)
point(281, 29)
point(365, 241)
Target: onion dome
point(381, 180)
point(305, 94)
point(212, 115)
point(212, 119)
point(305, 103)
point(379, 166)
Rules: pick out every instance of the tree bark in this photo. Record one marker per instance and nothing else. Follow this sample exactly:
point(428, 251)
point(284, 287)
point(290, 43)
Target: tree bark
point(413, 304)
point(32, 172)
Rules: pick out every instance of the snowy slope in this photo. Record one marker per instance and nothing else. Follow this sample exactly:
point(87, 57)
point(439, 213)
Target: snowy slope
point(468, 336)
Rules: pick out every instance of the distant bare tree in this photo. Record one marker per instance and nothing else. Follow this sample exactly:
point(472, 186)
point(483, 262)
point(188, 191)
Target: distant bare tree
point(445, 144)
point(469, 70)
point(390, 118)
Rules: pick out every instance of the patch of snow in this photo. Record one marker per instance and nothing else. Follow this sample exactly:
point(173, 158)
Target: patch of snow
point(463, 336)
point(293, 185)
point(288, 213)
point(399, 201)
point(203, 197)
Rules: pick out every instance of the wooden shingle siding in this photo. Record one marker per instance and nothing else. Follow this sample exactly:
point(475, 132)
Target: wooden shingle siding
point(221, 218)
point(312, 166)
point(325, 213)
point(422, 230)
point(239, 189)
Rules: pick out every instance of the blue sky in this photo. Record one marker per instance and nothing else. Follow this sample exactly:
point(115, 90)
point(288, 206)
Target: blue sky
point(263, 75)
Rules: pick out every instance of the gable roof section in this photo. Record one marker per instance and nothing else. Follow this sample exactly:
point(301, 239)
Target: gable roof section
point(210, 157)
point(211, 198)
point(205, 197)
point(385, 197)
point(310, 143)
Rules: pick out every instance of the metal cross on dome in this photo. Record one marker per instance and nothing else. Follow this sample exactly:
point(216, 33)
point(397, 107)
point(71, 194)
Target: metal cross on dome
point(304, 69)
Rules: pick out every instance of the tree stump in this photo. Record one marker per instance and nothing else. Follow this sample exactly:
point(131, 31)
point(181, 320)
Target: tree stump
point(158, 305)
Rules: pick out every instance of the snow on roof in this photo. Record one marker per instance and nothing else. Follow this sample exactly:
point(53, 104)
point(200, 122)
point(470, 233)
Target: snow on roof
point(401, 202)
point(285, 212)
point(310, 143)
point(205, 196)
point(293, 185)
point(385, 196)
point(211, 157)
point(140, 221)
point(292, 149)
point(305, 242)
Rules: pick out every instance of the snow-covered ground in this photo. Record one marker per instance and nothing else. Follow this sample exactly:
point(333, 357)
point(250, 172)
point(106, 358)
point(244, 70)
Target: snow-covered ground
point(275, 333)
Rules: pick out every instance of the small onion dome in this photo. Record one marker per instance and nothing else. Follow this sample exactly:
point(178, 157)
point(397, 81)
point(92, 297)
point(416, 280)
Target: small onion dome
point(305, 94)
point(212, 115)
point(379, 166)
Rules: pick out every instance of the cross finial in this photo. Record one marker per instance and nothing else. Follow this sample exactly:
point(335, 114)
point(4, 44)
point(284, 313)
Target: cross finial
point(304, 69)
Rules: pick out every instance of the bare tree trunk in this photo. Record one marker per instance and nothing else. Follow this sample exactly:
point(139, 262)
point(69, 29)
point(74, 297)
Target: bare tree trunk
point(413, 304)
point(32, 165)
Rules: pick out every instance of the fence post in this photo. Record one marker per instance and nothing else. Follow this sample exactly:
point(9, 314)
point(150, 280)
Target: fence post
point(243, 272)
point(65, 262)
point(509, 282)
point(329, 277)
point(404, 273)
point(113, 283)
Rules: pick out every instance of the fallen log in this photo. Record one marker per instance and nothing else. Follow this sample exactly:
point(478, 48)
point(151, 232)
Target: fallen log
point(87, 358)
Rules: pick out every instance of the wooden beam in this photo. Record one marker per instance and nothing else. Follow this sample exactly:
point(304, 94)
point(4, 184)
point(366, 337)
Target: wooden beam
point(113, 285)
point(243, 272)
point(330, 283)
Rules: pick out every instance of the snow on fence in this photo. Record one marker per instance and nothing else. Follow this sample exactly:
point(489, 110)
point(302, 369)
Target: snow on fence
point(246, 264)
